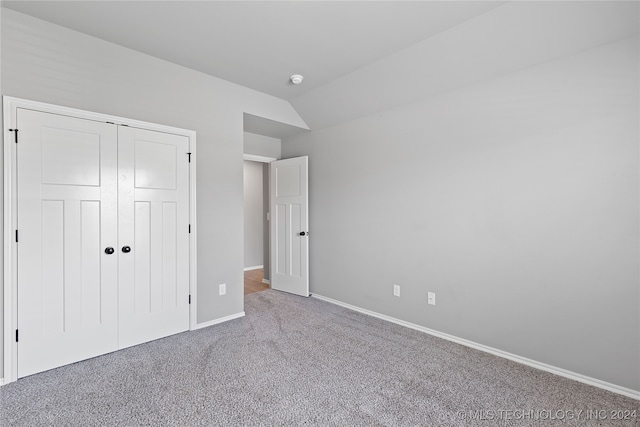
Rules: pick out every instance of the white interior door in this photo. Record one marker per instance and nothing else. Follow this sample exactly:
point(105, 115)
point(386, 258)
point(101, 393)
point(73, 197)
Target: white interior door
point(153, 202)
point(103, 238)
point(67, 198)
point(289, 225)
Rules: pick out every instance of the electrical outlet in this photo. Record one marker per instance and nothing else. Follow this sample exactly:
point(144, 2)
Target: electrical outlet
point(396, 290)
point(222, 289)
point(431, 298)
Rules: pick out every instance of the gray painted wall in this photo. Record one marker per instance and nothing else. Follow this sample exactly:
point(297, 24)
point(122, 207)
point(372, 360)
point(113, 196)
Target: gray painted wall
point(253, 214)
point(48, 63)
point(515, 200)
point(261, 145)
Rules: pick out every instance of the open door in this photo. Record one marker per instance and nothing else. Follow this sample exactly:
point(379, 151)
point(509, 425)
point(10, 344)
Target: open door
point(289, 226)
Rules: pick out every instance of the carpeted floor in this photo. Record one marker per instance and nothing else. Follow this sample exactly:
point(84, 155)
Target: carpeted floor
point(295, 360)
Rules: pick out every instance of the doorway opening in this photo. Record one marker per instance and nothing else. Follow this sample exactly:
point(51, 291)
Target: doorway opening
point(263, 144)
point(256, 225)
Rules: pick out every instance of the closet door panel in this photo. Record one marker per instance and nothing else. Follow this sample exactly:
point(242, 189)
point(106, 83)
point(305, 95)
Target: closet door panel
point(67, 284)
point(103, 250)
point(154, 223)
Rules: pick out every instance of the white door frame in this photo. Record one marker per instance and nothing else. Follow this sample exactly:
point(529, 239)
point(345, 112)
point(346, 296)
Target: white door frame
point(256, 158)
point(10, 285)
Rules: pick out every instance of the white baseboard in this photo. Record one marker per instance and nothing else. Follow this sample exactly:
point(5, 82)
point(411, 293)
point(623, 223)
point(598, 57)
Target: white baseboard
point(255, 267)
point(635, 394)
point(217, 321)
point(267, 281)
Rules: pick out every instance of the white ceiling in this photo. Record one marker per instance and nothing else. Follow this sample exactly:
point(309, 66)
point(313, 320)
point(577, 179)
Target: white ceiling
point(358, 57)
point(260, 44)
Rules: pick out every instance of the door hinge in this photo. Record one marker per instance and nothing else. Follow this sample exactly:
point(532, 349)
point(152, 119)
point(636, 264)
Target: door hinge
point(16, 335)
point(16, 134)
point(189, 154)
point(16, 236)
point(189, 228)
point(189, 299)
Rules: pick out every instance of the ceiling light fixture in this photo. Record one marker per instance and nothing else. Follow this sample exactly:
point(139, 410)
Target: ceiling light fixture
point(296, 79)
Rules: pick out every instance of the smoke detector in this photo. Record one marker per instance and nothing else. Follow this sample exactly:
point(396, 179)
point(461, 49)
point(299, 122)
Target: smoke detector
point(296, 79)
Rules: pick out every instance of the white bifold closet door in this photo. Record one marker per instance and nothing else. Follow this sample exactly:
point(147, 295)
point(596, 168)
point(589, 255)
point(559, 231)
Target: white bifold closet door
point(87, 191)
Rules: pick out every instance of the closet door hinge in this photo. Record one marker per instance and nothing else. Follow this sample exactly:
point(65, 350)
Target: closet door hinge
point(15, 131)
point(16, 335)
point(16, 236)
point(189, 228)
point(189, 154)
point(189, 299)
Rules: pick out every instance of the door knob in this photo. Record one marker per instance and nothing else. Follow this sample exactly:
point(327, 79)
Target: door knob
point(304, 233)
point(109, 250)
point(126, 249)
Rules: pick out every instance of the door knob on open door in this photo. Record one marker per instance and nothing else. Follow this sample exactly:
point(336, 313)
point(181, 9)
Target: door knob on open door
point(126, 249)
point(304, 233)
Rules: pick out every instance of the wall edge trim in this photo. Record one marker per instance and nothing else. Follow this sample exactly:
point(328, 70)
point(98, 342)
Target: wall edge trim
point(634, 394)
point(219, 320)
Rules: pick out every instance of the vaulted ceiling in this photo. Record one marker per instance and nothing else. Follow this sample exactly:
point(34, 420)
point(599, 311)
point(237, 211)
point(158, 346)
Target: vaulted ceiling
point(358, 57)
